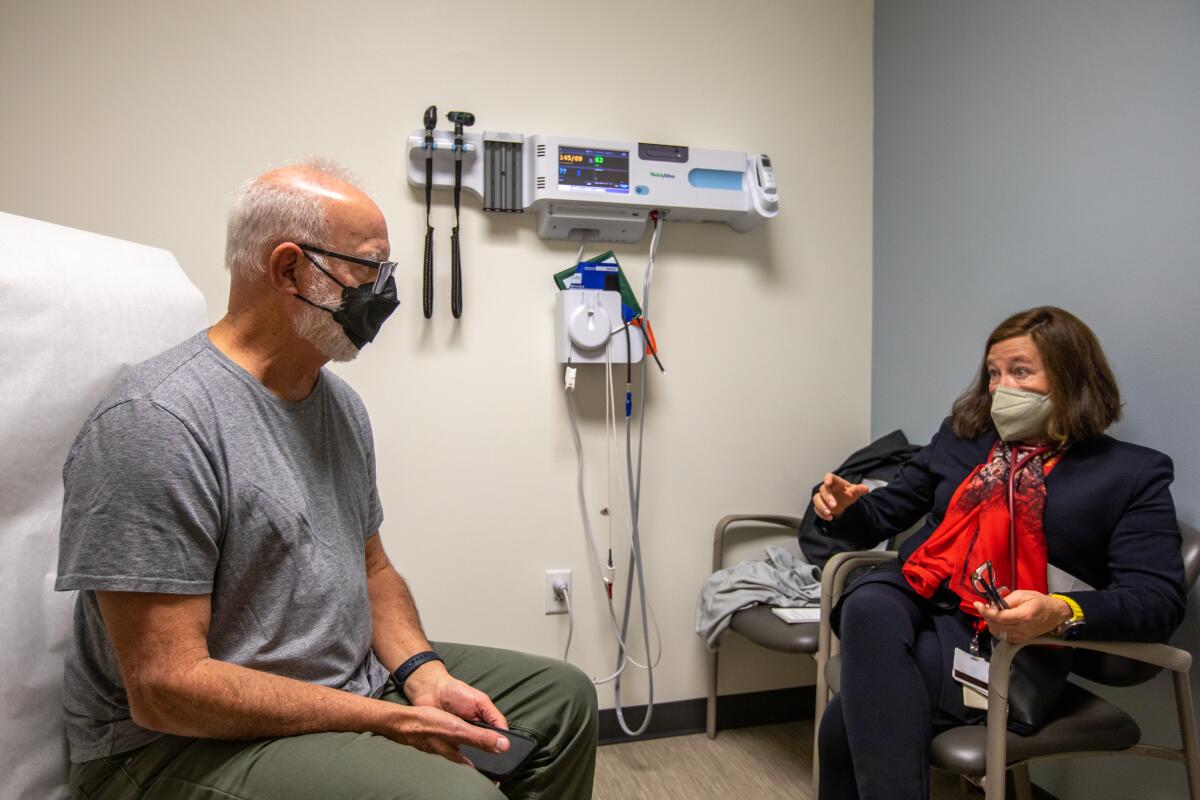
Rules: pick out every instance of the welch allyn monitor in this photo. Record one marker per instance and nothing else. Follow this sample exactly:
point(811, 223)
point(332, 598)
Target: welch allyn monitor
point(599, 190)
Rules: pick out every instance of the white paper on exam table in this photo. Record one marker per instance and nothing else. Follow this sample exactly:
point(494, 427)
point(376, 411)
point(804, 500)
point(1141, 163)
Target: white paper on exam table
point(77, 309)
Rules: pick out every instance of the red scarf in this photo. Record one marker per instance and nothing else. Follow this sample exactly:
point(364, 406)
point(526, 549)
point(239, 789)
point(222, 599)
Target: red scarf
point(995, 514)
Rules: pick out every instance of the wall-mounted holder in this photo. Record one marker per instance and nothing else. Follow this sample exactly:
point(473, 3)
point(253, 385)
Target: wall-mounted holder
point(585, 321)
point(443, 161)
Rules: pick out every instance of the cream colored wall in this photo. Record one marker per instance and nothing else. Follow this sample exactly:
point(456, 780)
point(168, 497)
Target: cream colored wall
point(138, 119)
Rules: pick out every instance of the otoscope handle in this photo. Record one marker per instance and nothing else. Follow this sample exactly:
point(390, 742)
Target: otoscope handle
point(427, 275)
point(455, 275)
point(427, 271)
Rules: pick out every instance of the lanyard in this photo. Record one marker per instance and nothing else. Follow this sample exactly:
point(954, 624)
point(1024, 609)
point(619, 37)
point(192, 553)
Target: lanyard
point(1021, 456)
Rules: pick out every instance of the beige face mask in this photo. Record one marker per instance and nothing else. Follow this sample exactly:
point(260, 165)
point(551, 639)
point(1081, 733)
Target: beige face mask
point(1020, 415)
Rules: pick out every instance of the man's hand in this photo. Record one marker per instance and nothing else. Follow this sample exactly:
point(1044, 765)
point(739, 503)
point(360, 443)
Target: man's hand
point(835, 496)
point(1029, 615)
point(432, 686)
point(445, 702)
point(432, 730)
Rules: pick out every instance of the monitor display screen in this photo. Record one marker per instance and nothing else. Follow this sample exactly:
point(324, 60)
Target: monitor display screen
point(592, 169)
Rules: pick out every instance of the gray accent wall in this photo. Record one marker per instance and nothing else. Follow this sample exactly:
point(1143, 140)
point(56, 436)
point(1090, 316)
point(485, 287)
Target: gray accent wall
point(1032, 153)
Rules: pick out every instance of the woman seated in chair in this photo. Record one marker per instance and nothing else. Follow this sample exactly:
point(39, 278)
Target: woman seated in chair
point(1022, 476)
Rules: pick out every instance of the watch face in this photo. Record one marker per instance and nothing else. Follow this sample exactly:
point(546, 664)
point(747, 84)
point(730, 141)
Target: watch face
point(1069, 629)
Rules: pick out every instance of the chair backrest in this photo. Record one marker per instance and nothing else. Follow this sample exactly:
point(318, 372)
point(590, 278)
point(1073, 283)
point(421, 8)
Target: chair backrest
point(1116, 671)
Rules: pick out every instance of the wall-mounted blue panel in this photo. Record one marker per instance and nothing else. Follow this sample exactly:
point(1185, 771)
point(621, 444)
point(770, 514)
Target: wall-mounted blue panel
point(716, 179)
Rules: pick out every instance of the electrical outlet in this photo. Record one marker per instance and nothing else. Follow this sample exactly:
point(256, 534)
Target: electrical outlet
point(555, 604)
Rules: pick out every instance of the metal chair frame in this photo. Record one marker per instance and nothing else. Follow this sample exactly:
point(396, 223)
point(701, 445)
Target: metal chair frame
point(722, 532)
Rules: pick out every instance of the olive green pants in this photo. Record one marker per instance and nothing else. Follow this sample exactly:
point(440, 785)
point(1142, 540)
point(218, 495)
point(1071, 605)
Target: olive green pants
point(552, 701)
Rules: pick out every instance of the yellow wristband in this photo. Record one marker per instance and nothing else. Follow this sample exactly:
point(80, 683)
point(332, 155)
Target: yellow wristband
point(1076, 611)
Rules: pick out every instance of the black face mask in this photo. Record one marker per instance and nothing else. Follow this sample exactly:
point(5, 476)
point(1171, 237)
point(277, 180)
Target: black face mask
point(363, 312)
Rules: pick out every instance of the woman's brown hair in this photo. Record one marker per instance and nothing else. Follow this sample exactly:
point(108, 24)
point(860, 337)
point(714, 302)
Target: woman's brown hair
point(1083, 389)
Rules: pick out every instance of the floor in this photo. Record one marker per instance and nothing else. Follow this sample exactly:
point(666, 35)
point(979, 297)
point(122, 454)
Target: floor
point(761, 763)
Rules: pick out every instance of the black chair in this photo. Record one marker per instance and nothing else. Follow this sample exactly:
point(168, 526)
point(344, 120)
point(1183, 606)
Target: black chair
point(1086, 725)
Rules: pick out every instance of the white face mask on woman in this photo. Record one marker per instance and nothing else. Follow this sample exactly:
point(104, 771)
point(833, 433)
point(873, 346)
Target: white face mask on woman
point(1019, 414)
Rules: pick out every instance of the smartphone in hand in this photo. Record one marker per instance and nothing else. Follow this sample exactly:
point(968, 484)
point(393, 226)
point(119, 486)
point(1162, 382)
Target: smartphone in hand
point(499, 766)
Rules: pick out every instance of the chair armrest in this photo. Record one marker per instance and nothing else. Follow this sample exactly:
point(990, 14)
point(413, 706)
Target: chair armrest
point(781, 520)
point(833, 581)
point(1003, 653)
point(839, 568)
point(1158, 655)
point(1000, 671)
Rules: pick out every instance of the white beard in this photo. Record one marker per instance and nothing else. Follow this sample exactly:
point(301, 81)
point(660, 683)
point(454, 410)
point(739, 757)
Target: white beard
point(318, 328)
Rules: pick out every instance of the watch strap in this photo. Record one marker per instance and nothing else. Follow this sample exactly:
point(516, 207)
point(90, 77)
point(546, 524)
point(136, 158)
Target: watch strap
point(1076, 611)
point(410, 666)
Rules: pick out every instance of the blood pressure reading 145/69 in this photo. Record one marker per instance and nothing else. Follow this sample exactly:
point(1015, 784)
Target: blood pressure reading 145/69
point(590, 169)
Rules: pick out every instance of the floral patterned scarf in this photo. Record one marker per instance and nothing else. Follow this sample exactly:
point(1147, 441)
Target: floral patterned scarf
point(995, 515)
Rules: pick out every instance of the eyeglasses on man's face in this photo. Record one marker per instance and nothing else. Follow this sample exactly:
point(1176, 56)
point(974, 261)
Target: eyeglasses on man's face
point(385, 268)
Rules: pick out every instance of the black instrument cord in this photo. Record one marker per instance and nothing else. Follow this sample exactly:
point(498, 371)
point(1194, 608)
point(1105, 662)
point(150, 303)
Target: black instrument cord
point(427, 272)
point(455, 254)
point(460, 119)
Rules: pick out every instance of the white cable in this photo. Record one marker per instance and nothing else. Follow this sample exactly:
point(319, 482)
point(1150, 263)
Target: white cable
point(657, 637)
point(619, 631)
point(646, 282)
point(635, 486)
point(587, 527)
point(621, 641)
point(654, 237)
point(610, 423)
point(566, 594)
point(621, 667)
point(587, 522)
point(609, 412)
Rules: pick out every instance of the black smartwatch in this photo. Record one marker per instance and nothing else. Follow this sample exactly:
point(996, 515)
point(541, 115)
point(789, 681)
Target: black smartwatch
point(406, 669)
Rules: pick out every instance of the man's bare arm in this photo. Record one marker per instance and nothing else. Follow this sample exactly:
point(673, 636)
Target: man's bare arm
point(175, 687)
point(396, 623)
point(398, 636)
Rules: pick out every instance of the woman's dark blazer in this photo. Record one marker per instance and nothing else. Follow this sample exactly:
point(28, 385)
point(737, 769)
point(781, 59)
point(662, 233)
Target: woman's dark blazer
point(1109, 521)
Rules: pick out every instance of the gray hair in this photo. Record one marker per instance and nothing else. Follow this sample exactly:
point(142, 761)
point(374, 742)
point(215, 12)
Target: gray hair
point(266, 213)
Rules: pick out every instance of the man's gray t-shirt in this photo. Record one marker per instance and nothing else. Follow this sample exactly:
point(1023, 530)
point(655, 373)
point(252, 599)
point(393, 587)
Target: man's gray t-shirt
point(192, 478)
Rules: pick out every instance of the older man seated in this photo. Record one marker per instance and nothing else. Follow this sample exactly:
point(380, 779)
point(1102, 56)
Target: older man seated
point(240, 632)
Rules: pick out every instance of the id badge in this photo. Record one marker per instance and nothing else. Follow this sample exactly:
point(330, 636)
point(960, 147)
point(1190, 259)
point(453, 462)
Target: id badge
point(971, 671)
point(973, 698)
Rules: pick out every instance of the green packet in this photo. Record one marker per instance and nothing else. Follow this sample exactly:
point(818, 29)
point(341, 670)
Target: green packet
point(628, 298)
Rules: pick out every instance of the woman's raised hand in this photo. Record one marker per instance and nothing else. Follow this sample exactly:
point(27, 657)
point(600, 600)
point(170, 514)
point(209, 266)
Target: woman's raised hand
point(836, 495)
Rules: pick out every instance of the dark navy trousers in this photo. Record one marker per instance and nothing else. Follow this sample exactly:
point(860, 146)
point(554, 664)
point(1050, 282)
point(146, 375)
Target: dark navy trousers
point(874, 737)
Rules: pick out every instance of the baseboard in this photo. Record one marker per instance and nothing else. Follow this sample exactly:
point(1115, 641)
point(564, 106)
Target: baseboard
point(683, 717)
